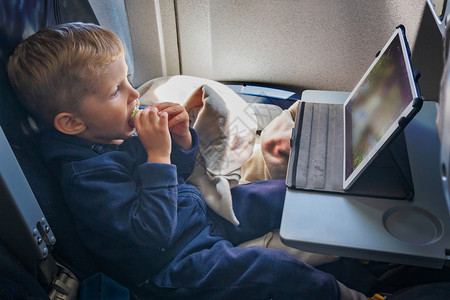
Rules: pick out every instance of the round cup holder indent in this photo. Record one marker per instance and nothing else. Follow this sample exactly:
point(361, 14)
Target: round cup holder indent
point(413, 225)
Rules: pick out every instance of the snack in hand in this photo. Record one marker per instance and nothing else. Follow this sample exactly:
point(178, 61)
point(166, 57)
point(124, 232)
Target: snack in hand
point(136, 108)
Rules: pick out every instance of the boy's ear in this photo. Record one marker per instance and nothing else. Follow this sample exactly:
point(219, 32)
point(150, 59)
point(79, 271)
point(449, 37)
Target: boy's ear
point(68, 123)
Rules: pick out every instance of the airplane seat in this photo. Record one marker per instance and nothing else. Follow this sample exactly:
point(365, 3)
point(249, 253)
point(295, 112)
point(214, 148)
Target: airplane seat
point(439, 288)
point(18, 280)
point(19, 20)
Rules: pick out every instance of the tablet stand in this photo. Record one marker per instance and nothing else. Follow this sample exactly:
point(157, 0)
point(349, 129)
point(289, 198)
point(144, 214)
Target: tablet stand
point(317, 150)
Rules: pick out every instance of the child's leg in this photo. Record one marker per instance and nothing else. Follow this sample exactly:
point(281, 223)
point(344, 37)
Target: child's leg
point(349, 294)
point(258, 207)
point(226, 272)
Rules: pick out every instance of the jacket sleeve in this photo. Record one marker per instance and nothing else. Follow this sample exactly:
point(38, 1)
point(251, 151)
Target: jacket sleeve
point(185, 160)
point(139, 208)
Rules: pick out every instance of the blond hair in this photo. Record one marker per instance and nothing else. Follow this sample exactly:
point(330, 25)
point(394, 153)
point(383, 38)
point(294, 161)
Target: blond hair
point(55, 68)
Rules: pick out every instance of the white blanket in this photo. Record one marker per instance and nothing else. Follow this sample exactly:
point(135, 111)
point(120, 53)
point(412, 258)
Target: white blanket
point(226, 126)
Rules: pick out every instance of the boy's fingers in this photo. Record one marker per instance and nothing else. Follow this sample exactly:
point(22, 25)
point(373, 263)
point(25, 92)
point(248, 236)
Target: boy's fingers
point(164, 105)
point(176, 119)
point(163, 117)
point(170, 108)
point(150, 112)
point(150, 115)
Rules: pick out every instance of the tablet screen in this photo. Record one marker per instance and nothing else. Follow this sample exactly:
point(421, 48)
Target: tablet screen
point(372, 111)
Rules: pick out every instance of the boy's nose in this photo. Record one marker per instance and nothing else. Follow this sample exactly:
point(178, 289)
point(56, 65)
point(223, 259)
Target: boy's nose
point(134, 94)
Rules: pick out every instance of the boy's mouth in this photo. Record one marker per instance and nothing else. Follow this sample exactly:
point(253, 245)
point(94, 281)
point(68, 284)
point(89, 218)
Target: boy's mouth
point(135, 110)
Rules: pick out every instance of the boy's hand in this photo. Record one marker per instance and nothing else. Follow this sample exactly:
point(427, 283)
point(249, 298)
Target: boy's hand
point(153, 132)
point(178, 123)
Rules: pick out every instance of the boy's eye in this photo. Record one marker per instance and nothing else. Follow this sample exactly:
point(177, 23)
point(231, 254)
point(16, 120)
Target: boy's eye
point(116, 92)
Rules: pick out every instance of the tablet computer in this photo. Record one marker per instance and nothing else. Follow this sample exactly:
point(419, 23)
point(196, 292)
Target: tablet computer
point(380, 105)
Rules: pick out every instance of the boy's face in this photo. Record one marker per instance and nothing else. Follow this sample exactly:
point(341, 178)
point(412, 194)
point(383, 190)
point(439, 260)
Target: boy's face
point(106, 112)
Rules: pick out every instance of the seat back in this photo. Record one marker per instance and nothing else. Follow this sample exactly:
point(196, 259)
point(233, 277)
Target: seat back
point(18, 20)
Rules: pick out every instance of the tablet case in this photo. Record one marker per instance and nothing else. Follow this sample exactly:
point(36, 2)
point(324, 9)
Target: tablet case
point(316, 158)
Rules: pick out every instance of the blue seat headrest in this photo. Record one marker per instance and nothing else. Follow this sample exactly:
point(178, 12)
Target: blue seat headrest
point(19, 20)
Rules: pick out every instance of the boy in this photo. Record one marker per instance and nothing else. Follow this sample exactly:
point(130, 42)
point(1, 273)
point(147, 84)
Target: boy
point(132, 207)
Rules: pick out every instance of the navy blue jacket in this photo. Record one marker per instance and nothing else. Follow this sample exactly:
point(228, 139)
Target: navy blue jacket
point(130, 213)
point(150, 229)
